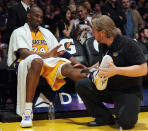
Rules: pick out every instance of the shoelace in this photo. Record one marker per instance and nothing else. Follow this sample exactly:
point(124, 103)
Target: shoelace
point(26, 116)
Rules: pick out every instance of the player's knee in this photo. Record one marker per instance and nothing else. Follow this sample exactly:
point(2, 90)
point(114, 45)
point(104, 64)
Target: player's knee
point(127, 124)
point(67, 68)
point(37, 64)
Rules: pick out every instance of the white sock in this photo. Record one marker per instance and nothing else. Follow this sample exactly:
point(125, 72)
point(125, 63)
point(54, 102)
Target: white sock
point(28, 105)
point(92, 74)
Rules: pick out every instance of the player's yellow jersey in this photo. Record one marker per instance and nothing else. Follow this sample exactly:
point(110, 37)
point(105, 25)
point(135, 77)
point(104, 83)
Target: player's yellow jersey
point(39, 45)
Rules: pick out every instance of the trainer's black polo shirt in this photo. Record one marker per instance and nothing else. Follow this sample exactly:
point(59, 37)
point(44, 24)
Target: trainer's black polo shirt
point(125, 52)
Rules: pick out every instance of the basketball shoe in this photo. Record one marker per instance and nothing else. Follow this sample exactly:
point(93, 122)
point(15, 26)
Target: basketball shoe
point(27, 118)
point(99, 81)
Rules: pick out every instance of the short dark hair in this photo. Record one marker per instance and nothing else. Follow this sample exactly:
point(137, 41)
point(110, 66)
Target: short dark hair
point(33, 8)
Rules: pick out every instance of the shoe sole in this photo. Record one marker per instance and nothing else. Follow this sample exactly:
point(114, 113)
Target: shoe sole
point(24, 126)
point(99, 82)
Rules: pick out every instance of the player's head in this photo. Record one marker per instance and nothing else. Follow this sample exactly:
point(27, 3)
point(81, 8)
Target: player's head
point(35, 16)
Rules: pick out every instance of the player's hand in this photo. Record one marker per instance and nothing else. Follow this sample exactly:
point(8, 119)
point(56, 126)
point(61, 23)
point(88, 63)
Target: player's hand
point(80, 66)
point(55, 52)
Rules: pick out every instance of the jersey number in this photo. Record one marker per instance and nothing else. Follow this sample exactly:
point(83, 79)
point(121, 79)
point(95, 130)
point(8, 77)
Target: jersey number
point(42, 50)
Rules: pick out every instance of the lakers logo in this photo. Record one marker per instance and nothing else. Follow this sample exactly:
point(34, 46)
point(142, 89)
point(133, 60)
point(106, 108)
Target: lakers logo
point(39, 42)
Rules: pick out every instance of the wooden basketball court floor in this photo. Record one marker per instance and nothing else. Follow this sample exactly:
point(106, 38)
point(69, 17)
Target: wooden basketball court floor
point(72, 124)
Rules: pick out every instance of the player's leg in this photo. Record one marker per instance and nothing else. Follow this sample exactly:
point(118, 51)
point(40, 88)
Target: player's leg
point(75, 74)
point(32, 81)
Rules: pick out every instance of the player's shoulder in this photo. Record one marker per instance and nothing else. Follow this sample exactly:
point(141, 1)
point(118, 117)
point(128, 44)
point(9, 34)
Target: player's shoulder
point(19, 30)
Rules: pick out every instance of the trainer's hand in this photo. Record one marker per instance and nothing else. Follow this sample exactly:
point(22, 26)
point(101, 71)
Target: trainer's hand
point(108, 72)
point(94, 66)
point(55, 52)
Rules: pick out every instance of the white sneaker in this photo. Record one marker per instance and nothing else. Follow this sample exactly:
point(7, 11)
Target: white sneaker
point(99, 81)
point(27, 118)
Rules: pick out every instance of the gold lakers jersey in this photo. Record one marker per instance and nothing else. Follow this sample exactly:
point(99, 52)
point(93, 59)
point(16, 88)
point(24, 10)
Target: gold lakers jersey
point(39, 44)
